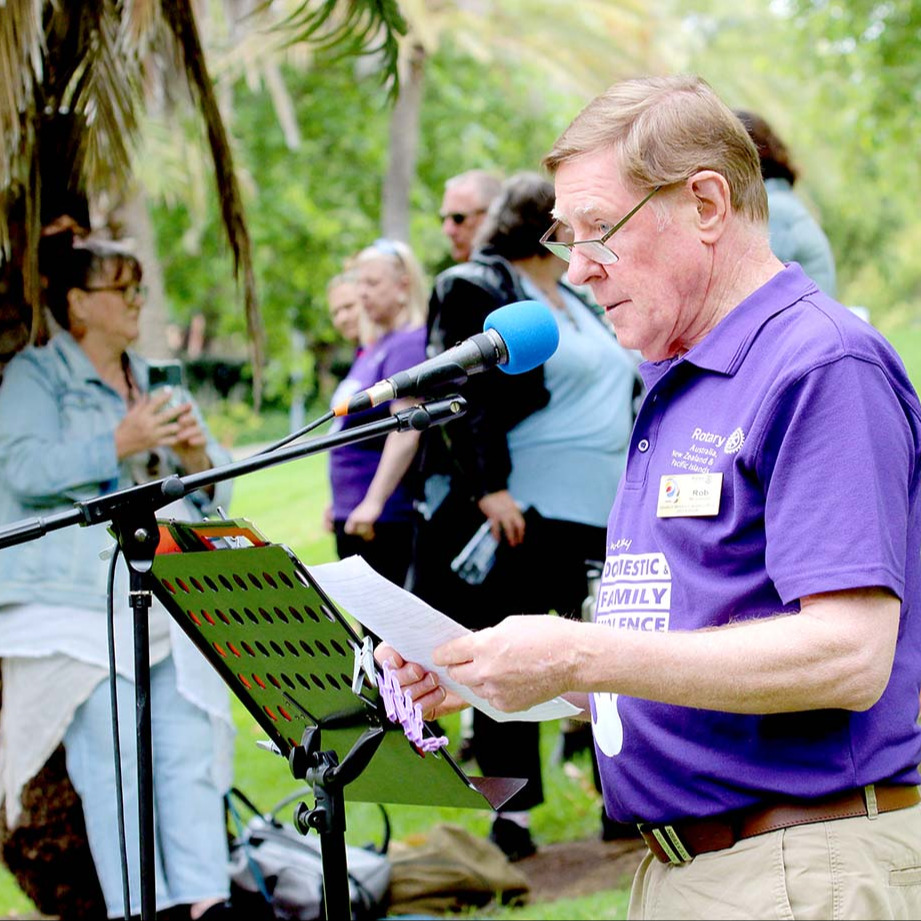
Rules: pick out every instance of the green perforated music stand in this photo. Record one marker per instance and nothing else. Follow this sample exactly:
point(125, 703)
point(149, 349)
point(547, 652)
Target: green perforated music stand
point(286, 651)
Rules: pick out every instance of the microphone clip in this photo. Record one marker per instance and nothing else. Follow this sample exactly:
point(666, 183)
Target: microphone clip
point(438, 412)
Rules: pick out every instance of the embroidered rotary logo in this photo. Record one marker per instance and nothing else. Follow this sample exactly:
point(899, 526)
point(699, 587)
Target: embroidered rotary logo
point(734, 442)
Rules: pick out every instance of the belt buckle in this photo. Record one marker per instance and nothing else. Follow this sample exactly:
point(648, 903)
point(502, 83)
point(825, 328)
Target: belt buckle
point(670, 842)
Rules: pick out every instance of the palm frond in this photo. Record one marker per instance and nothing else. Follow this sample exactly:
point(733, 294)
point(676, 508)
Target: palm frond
point(21, 55)
point(342, 28)
point(141, 21)
point(106, 91)
point(180, 18)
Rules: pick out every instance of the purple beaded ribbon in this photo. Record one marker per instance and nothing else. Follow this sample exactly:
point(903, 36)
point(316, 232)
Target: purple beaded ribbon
point(399, 707)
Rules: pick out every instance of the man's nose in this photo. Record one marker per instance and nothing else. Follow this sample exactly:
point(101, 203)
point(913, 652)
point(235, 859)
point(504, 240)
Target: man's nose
point(581, 269)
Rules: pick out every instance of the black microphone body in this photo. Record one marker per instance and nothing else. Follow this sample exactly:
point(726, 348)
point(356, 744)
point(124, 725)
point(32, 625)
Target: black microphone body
point(451, 368)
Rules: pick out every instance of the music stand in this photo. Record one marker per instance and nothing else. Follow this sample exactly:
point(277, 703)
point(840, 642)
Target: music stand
point(297, 665)
point(131, 514)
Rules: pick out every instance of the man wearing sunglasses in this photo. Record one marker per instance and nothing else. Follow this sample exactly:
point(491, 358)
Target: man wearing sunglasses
point(752, 672)
point(463, 207)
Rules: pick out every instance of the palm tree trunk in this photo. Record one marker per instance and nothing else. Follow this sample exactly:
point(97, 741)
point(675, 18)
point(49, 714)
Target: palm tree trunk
point(404, 146)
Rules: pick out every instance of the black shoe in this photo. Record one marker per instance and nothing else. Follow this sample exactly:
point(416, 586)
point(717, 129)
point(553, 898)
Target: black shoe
point(513, 840)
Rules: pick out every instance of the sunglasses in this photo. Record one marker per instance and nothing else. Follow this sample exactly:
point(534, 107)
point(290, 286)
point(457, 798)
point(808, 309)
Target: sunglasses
point(458, 217)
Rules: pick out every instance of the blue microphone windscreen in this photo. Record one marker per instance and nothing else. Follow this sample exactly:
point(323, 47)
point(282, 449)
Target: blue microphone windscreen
point(529, 331)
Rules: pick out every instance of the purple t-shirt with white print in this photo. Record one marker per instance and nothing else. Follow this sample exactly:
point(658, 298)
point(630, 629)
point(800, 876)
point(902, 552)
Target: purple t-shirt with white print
point(352, 466)
point(778, 458)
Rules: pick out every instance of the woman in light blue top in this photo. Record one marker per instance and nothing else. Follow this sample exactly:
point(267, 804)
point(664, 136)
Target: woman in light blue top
point(76, 422)
point(796, 235)
point(566, 458)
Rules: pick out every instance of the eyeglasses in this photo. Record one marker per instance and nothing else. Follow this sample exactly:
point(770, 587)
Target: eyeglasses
point(458, 217)
point(592, 249)
point(132, 291)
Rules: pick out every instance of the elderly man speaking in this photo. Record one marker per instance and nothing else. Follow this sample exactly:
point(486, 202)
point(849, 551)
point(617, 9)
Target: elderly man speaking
point(752, 672)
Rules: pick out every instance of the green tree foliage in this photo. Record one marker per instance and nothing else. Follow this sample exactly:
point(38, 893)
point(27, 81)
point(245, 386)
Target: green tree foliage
point(309, 209)
point(874, 45)
point(840, 83)
point(867, 77)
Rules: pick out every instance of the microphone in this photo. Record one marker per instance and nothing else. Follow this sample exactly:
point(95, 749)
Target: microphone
point(515, 338)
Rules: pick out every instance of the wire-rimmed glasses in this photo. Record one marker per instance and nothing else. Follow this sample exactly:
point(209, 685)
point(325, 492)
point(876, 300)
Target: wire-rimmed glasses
point(592, 249)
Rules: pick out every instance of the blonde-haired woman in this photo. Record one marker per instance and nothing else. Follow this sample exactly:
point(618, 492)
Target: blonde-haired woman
point(372, 498)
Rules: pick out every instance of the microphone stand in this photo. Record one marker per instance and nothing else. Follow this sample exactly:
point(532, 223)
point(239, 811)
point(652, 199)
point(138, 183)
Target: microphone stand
point(131, 512)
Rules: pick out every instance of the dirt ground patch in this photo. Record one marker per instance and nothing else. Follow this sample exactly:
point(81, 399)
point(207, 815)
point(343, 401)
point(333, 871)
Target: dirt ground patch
point(578, 868)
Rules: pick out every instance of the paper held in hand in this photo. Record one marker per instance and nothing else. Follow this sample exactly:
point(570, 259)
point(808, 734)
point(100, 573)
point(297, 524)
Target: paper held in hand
point(413, 627)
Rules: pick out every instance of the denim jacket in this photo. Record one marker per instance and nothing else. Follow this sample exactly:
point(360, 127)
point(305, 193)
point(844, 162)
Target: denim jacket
point(57, 447)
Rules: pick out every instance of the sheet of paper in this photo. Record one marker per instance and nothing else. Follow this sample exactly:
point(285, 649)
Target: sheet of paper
point(411, 626)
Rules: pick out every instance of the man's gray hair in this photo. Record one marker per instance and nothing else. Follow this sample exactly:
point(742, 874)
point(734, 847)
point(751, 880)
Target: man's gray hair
point(662, 130)
point(487, 184)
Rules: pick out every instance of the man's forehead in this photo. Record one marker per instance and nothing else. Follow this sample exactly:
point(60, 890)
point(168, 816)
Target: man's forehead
point(589, 186)
point(462, 191)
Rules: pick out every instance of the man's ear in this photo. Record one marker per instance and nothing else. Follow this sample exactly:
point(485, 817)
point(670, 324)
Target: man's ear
point(711, 192)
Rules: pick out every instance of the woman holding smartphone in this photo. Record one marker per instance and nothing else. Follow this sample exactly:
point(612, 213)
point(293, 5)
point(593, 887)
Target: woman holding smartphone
point(76, 422)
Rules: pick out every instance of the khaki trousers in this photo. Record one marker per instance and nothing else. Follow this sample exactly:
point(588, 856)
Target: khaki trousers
point(858, 868)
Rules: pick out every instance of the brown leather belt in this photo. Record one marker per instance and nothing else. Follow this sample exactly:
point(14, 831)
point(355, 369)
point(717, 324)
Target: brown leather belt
point(682, 841)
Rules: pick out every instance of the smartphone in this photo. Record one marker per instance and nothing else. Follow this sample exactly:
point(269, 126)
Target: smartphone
point(167, 374)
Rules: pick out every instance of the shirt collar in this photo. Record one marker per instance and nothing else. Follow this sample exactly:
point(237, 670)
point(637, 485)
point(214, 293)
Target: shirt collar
point(74, 356)
point(724, 348)
point(81, 366)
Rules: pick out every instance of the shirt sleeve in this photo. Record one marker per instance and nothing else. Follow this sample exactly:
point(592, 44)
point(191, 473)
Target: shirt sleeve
point(39, 465)
point(406, 349)
point(837, 460)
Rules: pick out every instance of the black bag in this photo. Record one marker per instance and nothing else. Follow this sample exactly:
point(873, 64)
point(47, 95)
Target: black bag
point(277, 873)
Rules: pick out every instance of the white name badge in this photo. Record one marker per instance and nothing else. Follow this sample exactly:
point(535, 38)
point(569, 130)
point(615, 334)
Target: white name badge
point(687, 495)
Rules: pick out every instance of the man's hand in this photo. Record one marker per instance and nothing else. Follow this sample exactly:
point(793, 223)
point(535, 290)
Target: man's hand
point(525, 660)
point(361, 521)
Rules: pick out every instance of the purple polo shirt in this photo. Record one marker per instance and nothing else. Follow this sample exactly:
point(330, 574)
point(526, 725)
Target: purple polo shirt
point(352, 466)
point(809, 416)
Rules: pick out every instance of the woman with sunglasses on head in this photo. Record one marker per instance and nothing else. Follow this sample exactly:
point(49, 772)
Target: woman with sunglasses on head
point(372, 499)
point(77, 422)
